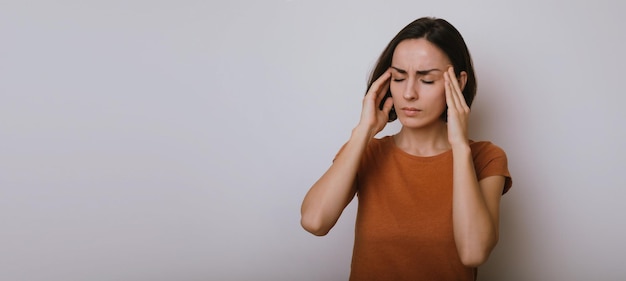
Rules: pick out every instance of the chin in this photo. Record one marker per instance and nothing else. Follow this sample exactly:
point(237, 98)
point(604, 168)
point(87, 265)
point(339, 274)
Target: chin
point(418, 123)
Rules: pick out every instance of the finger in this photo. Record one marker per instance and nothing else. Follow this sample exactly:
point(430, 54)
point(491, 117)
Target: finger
point(450, 100)
point(453, 90)
point(381, 82)
point(379, 89)
point(458, 93)
point(381, 93)
point(387, 106)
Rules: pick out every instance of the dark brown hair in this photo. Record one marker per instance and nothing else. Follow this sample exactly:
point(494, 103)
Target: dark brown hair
point(443, 35)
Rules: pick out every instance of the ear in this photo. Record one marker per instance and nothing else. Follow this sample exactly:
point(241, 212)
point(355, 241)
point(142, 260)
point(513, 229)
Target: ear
point(462, 79)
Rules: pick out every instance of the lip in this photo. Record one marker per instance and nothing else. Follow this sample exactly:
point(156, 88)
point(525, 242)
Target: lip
point(411, 111)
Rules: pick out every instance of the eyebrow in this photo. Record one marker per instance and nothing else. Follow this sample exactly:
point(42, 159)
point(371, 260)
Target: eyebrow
point(419, 72)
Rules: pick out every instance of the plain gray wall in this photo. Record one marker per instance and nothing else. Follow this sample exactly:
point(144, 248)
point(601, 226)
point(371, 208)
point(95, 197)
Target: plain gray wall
point(175, 140)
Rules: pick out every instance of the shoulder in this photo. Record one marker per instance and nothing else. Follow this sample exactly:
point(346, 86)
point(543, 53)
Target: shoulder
point(378, 150)
point(382, 141)
point(379, 145)
point(486, 149)
point(374, 147)
point(490, 160)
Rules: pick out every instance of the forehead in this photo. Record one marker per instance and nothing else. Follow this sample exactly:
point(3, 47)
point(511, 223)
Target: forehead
point(417, 54)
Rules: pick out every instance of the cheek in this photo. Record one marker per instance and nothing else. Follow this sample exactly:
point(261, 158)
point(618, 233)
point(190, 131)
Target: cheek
point(434, 92)
point(395, 89)
point(441, 94)
point(441, 97)
point(436, 96)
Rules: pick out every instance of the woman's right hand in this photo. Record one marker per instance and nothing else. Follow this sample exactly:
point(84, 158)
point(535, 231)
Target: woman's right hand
point(374, 119)
point(330, 195)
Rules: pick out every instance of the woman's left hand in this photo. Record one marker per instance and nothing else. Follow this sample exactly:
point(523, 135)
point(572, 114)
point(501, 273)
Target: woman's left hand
point(458, 111)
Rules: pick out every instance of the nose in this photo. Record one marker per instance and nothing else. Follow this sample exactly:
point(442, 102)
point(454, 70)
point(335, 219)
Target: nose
point(410, 91)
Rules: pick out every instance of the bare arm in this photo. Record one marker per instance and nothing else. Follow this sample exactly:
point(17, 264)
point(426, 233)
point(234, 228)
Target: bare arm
point(328, 197)
point(475, 209)
point(475, 205)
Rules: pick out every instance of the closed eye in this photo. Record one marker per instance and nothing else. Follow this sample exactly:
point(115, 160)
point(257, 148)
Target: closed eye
point(428, 81)
point(398, 79)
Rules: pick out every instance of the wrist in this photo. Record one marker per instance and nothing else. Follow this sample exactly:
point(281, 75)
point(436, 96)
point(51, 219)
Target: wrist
point(461, 148)
point(362, 132)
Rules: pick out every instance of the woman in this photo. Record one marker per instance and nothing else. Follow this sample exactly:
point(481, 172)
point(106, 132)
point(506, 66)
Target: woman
point(428, 196)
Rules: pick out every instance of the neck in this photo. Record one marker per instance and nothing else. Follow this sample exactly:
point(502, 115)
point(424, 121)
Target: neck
point(425, 141)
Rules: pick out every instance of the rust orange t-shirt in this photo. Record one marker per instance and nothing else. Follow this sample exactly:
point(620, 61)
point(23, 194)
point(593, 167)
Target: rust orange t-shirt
point(404, 219)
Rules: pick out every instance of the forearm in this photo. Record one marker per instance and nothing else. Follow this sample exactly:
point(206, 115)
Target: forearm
point(329, 196)
point(475, 230)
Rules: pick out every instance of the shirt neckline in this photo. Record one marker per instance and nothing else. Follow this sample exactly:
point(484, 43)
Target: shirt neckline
point(388, 140)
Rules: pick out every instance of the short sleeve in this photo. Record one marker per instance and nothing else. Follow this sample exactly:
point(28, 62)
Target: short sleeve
point(491, 160)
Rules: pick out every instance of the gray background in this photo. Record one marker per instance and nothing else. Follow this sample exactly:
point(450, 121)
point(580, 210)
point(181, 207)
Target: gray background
point(175, 140)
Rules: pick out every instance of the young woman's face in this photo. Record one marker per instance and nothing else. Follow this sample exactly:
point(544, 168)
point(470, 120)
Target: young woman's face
point(417, 85)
